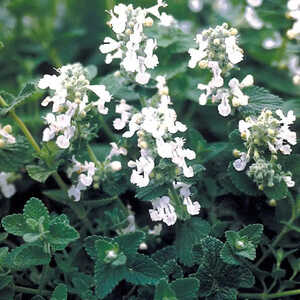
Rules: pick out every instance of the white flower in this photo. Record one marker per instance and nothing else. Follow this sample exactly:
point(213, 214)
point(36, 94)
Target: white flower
point(166, 20)
point(217, 80)
point(241, 163)
point(75, 191)
point(195, 5)
point(233, 51)
point(224, 108)
point(272, 42)
point(104, 97)
point(163, 211)
point(252, 18)
point(111, 45)
point(156, 230)
point(198, 54)
point(7, 189)
point(63, 142)
point(255, 3)
point(5, 135)
point(115, 165)
point(288, 180)
point(193, 208)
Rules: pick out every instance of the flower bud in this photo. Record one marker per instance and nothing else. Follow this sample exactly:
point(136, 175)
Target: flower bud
point(271, 132)
point(244, 135)
point(115, 165)
point(261, 187)
point(7, 128)
point(236, 153)
point(77, 101)
point(256, 155)
point(111, 254)
point(128, 31)
point(143, 144)
point(239, 245)
point(143, 246)
point(296, 79)
point(164, 91)
point(291, 34)
point(148, 22)
point(203, 64)
point(272, 202)
point(233, 31)
point(235, 102)
point(216, 42)
point(117, 74)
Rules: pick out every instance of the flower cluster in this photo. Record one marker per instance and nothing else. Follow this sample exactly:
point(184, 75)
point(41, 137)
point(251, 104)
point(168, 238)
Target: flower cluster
point(251, 15)
point(89, 172)
point(85, 174)
point(154, 124)
point(5, 136)
point(70, 102)
point(7, 188)
point(266, 134)
point(218, 51)
point(132, 46)
point(294, 13)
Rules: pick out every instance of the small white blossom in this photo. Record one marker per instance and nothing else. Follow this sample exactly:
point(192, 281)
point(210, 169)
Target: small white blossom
point(252, 18)
point(294, 13)
point(163, 211)
point(6, 188)
point(195, 5)
point(5, 136)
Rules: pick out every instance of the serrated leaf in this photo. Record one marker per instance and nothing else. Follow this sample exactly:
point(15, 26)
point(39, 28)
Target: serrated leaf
point(172, 269)
point(252, 232)
point(107, 278)
point(188, 234)
point(15, 156)
point(102, 247)
point(62, 234)
point(227, 255)
point(39, 173)
point(89, 246)
point(129, 243)
point(259, 99)
point(277, 192)
point(27, 256)
point(3, 255)
point(242, 182)
point(152, 191)
point(15, 224)
point(224, 294)
point(186, 288)
point(60, 292)
point(35, 209)
point(163, 255)
point(163, 291)
point(143, 270)
point(26, 92)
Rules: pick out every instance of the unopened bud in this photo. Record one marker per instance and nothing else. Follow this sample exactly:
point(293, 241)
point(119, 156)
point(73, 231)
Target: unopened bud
point(216, 42)
point(96, 186)
point(296, 79)
point(256, 154)
point(235, 102)
point(244, 135)
point(233, 31)
point(256, 141)
point(83, 114)
point(115, 165)
point(271, 131)
point(164, 91)
point(272, 202)
point(77, 101)
point(291, 34)
point(117, 74)
point(148, 22)
point(261, 187)
point(203, 64)
point(143, 145)
point(128, 31)
point(236, 153)
point(143, 246)
point(239, 245)
point(7, 128)
point(111, 254)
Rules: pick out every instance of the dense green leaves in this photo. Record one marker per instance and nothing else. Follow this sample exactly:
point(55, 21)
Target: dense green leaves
point(188, 234)
point(60, 293)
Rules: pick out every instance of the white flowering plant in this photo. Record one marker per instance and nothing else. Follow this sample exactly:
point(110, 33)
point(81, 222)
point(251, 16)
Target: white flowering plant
point(153, 150)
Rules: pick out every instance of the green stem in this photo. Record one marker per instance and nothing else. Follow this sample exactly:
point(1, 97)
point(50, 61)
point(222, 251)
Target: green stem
point(106, 129)
point(100, 202)
point(284, 230)
point(44, 278)
point(177, 202)
point(271, 296)
point(92, 156)
point(30, 291)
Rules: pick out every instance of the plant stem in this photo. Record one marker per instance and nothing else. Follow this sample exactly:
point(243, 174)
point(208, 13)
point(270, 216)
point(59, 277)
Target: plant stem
point(43, 277)
point(30, 291)
point(284, 230)
point(92, 156)
point(270, 296)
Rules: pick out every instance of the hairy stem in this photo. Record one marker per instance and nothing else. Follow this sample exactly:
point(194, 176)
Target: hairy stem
point(30, 291)
point(271, 296)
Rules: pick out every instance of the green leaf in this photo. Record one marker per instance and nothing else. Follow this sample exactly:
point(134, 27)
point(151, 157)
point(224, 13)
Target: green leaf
point(152, 191)
point(252, 232)
point(107, 278)
point(172, 269)
point(277, 192)
point(15, 156)
point(163, 291)
point(91, 72)
point(39, 173)
point(35, 209)
point(15, 224)
point(27, 256)
point(143, 270)
point(242, 182)
point(186, 288)
point(3, 255)
point(259, 99)
point(62, 234)
point(224, 294)
point(103, 247)
point(60, 292)
point(129, 243)
point(188, 234)
point(163, 255)
point(26, 92)
point(5, 281)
